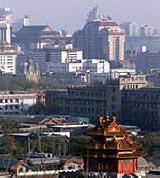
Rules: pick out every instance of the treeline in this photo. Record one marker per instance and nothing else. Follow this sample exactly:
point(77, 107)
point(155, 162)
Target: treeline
point(35, 142)
point(14, 82)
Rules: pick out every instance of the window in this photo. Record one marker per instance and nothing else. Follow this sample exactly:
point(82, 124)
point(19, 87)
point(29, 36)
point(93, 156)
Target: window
point(114, 89)
point(17, 100)
point(16, 107)
point(113, 98)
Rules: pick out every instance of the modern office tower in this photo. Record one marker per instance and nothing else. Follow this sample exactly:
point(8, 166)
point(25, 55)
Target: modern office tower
point(101, 39)
point(5, 26)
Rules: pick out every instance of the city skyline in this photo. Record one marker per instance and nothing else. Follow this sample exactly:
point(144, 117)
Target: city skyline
point(76, 13)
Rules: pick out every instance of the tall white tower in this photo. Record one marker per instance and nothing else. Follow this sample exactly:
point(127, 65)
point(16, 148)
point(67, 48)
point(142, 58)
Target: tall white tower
point(26, 21)
point(5, 25)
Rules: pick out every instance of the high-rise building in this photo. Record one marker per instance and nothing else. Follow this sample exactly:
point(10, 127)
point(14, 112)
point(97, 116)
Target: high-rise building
point(26, 21)
point(93, 14)
point(5, 26)
point(101, 39)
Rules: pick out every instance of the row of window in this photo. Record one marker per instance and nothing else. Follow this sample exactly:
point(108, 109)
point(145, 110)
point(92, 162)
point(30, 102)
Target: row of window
point(142, 105)
point(6, 56)
point(142, 96)
point(89, 93)
point(88, 102)
point(10, 107)
point(9, 100)
point(88, 110)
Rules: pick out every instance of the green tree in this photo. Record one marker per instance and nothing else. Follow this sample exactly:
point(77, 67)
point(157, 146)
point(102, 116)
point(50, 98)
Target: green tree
point(77, 144)
point(37, 109)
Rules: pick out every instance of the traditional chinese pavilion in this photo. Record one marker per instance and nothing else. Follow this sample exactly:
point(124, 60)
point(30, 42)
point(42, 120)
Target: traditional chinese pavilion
point(111, 151)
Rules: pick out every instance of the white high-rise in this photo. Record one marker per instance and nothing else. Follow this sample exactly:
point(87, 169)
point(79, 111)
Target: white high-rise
point(5, 25)
point(8, 59)
point(26, 21)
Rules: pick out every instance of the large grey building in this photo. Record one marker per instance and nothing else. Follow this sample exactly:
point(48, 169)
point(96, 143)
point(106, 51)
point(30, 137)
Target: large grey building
point(142, 107)
point(87, 101)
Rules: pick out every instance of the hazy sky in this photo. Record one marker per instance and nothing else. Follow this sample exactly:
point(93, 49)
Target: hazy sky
point(71, 14)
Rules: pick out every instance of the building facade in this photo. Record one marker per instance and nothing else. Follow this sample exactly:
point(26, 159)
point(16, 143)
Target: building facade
point(8, 59)
point(64, 68)
point(143, 105)
point(134, 82)
point(5, 26)
point(87, 101)
point(17, 102)
point(96, 66)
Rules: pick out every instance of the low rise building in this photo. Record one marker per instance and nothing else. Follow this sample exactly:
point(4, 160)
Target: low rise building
point(64, 67)
point(98, 77)
point(96, 66)
point(16, 102)
point(133, 82)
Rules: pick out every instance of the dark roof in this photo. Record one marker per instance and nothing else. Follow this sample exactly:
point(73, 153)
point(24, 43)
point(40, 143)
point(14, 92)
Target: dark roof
point(32, 29)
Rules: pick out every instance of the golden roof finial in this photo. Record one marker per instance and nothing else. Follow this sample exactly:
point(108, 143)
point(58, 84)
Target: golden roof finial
point(102, 121)
point(114, 119)
point(105, 121)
